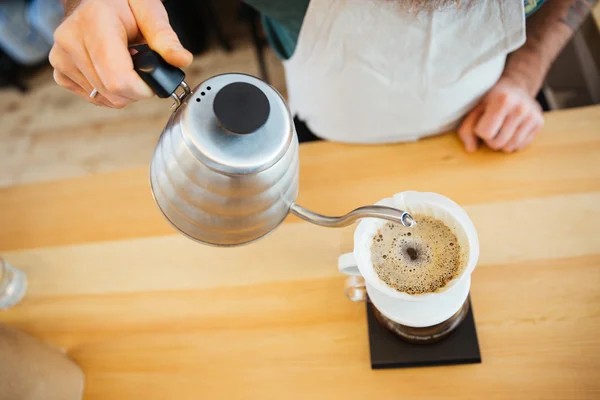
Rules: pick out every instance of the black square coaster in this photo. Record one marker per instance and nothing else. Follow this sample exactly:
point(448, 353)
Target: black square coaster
point(390, 351)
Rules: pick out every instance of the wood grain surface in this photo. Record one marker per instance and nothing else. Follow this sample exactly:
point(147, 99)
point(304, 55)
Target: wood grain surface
point(334, 178)
point(151, 315)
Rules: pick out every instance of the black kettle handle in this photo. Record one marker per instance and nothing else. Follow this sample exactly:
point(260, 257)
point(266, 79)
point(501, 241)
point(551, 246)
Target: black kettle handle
point(162, 77)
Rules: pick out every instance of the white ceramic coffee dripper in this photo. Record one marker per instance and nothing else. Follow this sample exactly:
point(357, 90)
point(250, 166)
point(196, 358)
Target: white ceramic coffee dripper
point(422, 310)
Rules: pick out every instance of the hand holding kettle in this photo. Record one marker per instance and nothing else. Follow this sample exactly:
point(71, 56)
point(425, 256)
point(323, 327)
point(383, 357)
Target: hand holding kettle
point(91, 48)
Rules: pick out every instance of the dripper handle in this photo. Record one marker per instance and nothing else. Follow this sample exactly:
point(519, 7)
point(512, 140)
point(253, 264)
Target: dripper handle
point(162, 77)
point(382, 212)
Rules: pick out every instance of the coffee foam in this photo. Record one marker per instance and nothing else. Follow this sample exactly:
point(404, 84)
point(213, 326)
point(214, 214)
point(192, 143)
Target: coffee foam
point(417, 260)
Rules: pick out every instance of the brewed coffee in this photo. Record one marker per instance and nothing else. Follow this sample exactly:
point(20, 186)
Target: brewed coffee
point(417, 260)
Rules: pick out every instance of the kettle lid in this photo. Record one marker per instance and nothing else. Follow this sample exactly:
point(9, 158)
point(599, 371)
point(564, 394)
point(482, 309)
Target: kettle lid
point(236, 124)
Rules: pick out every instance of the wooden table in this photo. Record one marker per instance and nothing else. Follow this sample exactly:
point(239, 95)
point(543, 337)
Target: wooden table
point(150, 315)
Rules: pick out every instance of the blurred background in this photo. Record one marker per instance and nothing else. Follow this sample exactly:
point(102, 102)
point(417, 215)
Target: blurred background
point(47, 133)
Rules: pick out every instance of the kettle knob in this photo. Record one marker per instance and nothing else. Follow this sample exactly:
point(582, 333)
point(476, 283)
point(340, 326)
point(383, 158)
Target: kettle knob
point(241, 107)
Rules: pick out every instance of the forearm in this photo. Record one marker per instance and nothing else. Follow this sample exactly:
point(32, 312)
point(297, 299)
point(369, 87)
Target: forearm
point(548, 30)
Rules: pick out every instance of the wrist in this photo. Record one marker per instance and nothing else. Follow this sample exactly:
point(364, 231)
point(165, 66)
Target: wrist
point(522, 80)
point(526, 69)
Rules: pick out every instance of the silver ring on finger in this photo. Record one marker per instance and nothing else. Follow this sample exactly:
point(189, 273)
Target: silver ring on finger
point(94, 93)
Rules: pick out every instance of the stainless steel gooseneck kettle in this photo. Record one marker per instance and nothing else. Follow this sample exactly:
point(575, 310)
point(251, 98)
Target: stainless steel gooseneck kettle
point(225, 170)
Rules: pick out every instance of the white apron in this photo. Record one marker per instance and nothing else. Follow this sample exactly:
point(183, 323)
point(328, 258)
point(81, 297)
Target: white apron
point(370, 71)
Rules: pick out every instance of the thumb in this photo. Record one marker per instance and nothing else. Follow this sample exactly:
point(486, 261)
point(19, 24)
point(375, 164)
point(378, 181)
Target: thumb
point(153, 23)
point(466, 132)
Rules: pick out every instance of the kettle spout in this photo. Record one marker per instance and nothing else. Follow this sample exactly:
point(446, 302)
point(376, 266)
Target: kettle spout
point(387, 213)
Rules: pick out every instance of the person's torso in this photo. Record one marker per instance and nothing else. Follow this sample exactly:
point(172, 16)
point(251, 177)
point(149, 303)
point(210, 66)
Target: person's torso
point(372, 71)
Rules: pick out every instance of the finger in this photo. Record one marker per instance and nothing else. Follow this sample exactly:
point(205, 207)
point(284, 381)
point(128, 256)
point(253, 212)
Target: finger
point(528, 139)
point(82, 63)
point(527, 128)
point(508, 128)
point(89, 71)
point(66, 82)
point(490, 122)
point(76, 58)
point(466, 132)
point(525, 140)
point(114, 66)
point(61, 62)
point(153, 22)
